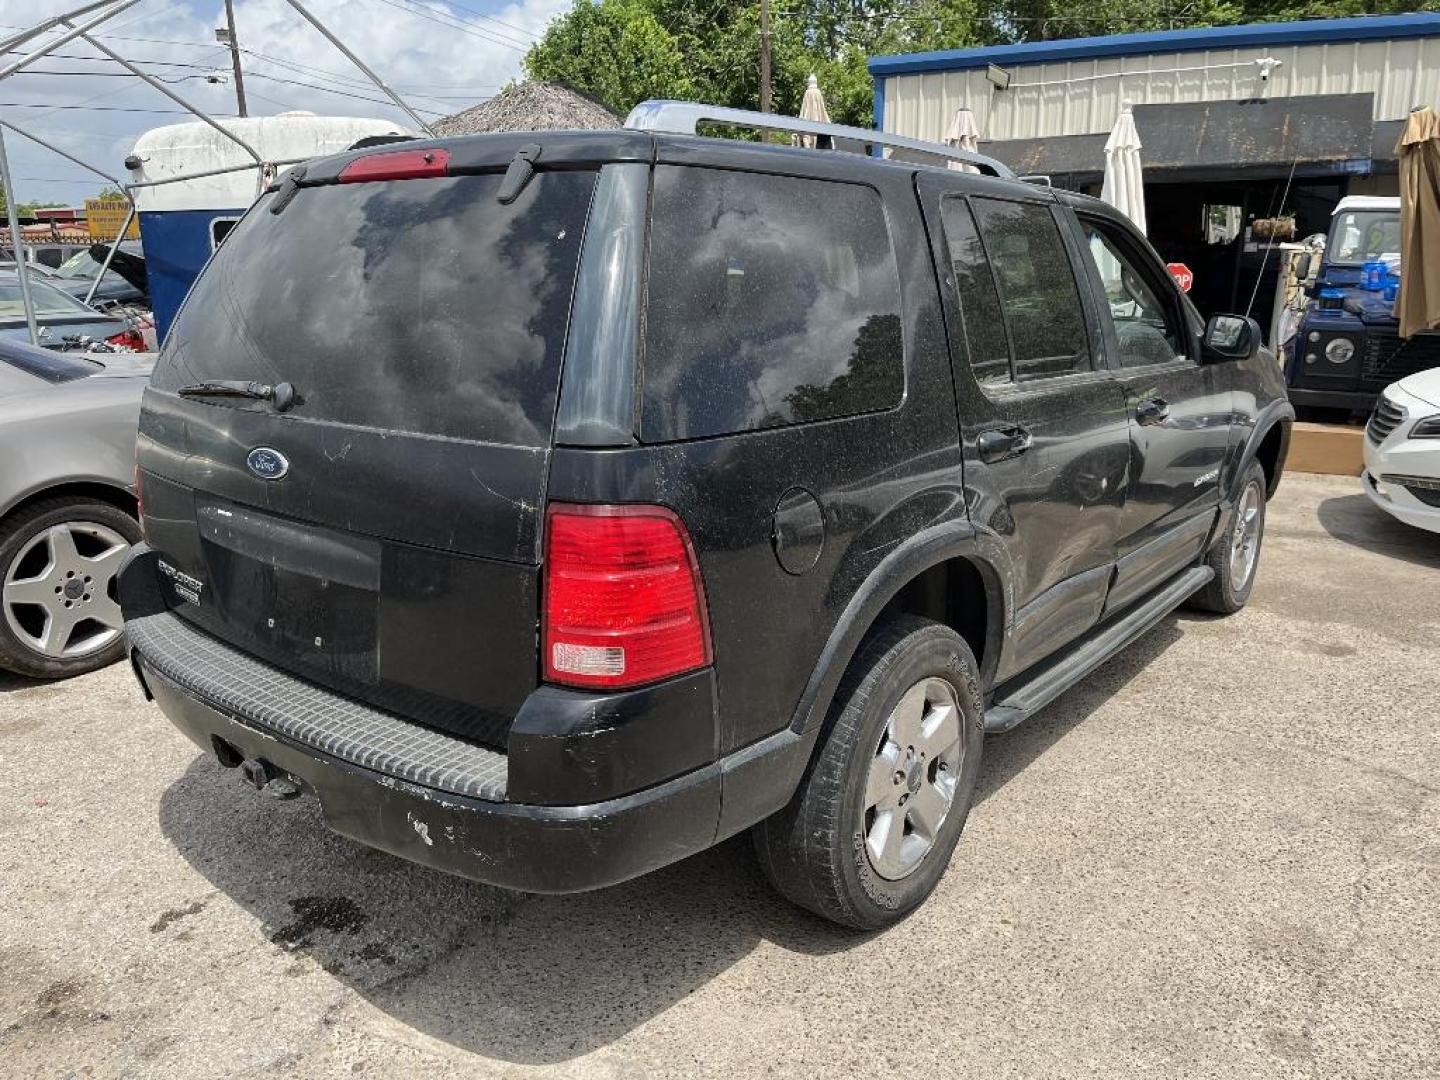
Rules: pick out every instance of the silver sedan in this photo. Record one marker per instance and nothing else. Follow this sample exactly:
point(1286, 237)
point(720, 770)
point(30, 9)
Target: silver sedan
point(67, 504)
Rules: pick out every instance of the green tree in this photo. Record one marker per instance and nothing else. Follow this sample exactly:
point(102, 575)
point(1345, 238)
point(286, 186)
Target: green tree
point(622, 51)
point(614, 50)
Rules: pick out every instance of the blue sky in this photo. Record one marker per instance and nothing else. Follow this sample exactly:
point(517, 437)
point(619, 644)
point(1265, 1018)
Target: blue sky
point(440, 56)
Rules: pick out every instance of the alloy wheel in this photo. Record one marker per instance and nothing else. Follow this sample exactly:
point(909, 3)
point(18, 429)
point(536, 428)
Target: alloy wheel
point(59, 593)
point(1245, 538)
point(912, 779)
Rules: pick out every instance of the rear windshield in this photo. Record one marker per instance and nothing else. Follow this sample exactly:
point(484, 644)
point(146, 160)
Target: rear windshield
point(412, 305)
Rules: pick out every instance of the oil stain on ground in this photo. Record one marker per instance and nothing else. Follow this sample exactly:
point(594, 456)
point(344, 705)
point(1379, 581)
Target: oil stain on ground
point(337, 914)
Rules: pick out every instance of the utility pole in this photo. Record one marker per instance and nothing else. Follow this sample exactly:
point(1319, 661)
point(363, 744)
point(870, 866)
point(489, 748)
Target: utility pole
point(234, 56)
point(765, 56)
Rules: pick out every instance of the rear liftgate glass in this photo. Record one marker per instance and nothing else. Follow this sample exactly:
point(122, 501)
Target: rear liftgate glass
point(360, 501)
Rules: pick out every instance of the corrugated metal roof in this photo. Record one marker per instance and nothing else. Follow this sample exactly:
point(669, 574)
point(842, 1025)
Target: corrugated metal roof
point(1363, 28)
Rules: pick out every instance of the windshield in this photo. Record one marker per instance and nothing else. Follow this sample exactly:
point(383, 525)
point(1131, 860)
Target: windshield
point(1358, 236)
point(47, 300)
point(79, 265)
point(411, 305)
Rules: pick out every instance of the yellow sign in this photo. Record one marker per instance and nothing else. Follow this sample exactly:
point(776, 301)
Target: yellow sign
point(105, 216)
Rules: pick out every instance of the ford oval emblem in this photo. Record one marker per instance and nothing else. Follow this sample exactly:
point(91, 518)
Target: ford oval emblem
point(266, 463)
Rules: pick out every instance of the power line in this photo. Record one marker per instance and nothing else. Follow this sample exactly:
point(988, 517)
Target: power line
point(464, 28)
point(490, 18)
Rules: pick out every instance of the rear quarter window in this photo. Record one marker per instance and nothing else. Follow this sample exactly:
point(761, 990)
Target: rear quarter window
point(772, 300)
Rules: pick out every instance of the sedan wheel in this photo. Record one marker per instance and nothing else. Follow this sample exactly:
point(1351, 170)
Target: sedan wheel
point(59, 593)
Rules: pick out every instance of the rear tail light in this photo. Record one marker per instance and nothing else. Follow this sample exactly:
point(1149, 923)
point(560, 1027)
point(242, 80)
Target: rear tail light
point(128, 339)
point(624, 603)
point(396, 165)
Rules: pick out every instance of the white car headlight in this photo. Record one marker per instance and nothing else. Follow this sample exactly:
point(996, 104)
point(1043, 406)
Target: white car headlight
point(1428, 428)
point(1340, 350)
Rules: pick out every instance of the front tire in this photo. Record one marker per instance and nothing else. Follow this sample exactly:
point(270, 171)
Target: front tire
point(59, 610)
point(872, 826)
point(1235, 555)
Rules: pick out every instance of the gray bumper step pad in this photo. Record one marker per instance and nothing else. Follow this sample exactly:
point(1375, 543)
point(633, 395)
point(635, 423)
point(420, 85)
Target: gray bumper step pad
point(266, 698)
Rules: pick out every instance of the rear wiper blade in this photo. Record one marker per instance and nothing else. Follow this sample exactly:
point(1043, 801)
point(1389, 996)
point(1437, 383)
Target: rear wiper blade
point(282, 394)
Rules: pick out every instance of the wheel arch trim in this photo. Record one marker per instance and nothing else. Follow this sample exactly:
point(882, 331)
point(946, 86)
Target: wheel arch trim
point(1276, 413)
point(926, 549)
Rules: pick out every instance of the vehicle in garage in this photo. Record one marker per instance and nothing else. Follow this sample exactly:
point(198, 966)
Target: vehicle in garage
point(67, 504)
point(1402, 451)
point(853, 460)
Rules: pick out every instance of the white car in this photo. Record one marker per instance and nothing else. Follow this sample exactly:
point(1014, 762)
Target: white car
point(1402, 451)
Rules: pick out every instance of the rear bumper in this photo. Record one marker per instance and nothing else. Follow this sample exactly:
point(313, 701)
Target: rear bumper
point(543, 849)
point(454, 805)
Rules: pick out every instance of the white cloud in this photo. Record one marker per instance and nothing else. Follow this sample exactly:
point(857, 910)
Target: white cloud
point(439, 57)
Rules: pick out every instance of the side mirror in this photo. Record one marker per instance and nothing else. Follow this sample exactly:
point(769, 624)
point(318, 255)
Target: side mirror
point(1230, 337)
point(1302, 267)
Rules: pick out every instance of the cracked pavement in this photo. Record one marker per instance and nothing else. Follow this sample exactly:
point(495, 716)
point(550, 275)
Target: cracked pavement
point(1218, 856)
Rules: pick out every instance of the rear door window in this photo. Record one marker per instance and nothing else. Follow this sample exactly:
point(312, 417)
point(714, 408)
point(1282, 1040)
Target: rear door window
point(1037, 288)
point(413, 305)
point(772, 300)
point(985, 333)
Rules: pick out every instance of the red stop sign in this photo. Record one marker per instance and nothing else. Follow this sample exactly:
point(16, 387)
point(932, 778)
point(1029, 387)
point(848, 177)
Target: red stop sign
point(1182, 275)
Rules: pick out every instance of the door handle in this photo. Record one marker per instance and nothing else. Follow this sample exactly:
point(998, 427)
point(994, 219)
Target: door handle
point(1152, 411)
point(998, 444)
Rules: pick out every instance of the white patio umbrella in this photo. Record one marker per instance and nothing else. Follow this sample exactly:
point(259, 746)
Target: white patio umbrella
point(812, 107)
point(1124, 186)
point(963, 134)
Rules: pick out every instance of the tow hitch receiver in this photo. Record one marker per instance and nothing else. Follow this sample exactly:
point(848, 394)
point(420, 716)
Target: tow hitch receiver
point(263, 776)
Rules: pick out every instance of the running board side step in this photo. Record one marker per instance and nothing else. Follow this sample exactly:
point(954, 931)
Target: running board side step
point(1021, 698)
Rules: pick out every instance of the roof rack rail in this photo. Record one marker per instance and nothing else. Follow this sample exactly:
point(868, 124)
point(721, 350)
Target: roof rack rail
point(685, 118)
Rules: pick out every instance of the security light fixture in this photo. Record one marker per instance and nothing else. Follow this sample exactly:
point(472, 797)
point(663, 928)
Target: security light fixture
point(998, 75)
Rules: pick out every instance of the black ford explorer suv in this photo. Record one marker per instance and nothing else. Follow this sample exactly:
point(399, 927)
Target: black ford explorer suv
point(554, 506)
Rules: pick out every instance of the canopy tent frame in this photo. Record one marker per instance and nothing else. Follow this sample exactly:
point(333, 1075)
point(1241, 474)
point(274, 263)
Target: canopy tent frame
point(74, 29)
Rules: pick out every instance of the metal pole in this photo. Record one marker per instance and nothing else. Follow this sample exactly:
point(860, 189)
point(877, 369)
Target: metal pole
point(110, 255)
point(173, 96)
point(65, 39)
point(17, 241)
point(235, 58)
point(39, 28)
point(421, 124)
point(68, 156)
point(765, 93)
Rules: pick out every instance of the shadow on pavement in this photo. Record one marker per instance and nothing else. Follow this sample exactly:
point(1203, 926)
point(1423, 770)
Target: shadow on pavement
point(1007, 755)
point(1354, 520)
point(527, 979)
point(10, 682)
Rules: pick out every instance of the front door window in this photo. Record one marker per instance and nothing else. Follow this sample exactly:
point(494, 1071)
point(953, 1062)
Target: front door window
point(1147, 330)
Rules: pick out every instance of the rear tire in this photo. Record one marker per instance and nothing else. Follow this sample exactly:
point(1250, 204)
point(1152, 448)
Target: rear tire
point(872, 826)
point(1235, 555)
point(50, 550)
